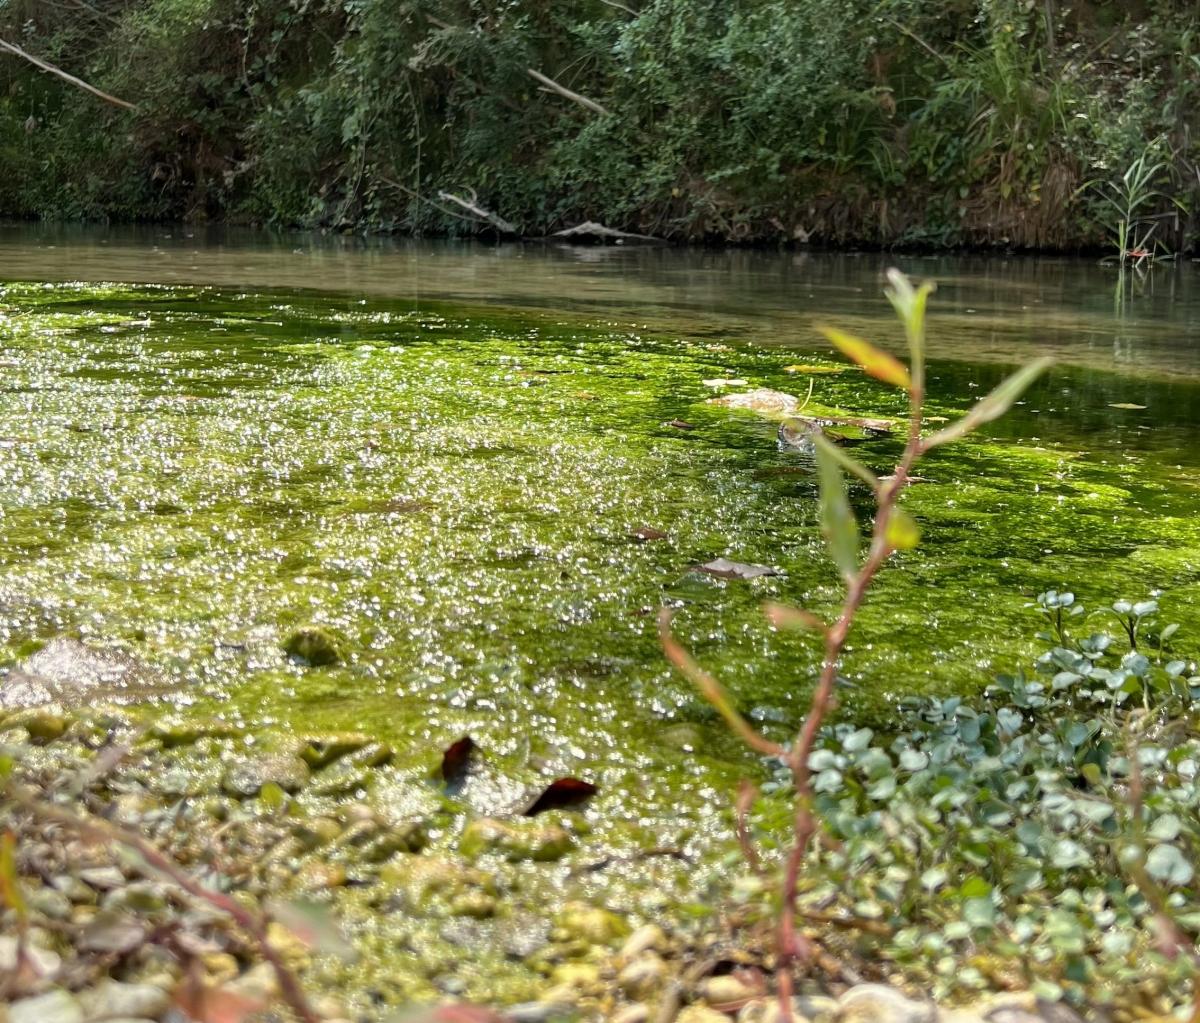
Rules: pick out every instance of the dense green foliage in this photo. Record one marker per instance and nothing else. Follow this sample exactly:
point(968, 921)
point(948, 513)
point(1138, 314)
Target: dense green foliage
point(990, 122)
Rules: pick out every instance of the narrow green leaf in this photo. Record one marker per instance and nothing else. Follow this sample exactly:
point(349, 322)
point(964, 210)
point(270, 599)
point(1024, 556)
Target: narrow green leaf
point(910, 303)
point(878, 363)
point(846, 461)
point(991, 407)
point(837, 518)
point(903, 533)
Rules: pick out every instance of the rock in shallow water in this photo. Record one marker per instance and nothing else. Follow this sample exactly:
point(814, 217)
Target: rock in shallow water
point(315, 645)
point(541, 843)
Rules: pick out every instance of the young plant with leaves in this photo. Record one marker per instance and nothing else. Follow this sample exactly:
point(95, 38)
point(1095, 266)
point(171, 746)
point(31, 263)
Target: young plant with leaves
point(893, 530)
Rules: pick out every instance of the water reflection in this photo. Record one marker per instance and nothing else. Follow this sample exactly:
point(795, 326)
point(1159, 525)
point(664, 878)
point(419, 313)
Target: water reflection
point(989, 308)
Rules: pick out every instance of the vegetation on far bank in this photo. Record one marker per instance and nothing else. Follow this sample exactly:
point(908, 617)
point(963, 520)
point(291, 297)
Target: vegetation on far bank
point(918, 122)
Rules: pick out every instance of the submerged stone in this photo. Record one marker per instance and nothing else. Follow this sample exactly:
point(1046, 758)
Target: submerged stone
point(321, 751)
point(314, 644)
point(762, 400)
point(541, 843)
point(592, 925)
point(245, 779)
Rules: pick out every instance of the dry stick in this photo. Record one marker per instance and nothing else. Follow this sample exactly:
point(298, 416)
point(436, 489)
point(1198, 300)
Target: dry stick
point(472, 206)
point(793, 947)
point(562, 90)
point(254, 924)
point(79, 83)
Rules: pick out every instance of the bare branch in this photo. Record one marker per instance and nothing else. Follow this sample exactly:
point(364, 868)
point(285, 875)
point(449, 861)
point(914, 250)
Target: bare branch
point(562, 90)
point(79, 83)
point(472, 206)
point(590, 229)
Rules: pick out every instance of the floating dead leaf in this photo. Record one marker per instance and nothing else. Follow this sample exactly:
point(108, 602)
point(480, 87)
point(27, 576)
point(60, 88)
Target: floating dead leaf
point(559, 795)
point(645, 534)
point(456, 760)
point(681, 424)
point(726, 382)
point(1125, 405)
point(723, 568)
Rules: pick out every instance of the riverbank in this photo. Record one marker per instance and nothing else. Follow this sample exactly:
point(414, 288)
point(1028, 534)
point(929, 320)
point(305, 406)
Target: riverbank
point(998, 124)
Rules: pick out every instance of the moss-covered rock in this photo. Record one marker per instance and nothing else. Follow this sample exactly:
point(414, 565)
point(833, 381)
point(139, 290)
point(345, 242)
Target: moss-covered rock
point(316, 645)
point(591, 924)
point(516, 841)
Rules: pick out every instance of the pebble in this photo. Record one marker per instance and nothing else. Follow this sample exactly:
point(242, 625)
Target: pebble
point(701, 1014)
point(591, 924)
point(533, 1012)
point(725, 990)
point(766, 1010)
point(53, 1007)
point(44, 961)
point(113, 999)
point(636, 1013)
point(1025, 1007)
point(645, 938)
point(876, 1003)
point(643, 976)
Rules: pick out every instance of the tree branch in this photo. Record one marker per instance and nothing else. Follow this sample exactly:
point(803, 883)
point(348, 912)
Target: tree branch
point(562, 90)
point(472, 206)
point(79, 83)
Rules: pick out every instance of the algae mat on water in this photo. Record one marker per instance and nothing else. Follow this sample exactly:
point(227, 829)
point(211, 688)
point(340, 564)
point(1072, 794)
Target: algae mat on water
point(194, 473)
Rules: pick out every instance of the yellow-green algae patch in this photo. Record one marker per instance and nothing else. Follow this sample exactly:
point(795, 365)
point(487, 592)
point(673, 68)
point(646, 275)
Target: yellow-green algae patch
point(195, 474)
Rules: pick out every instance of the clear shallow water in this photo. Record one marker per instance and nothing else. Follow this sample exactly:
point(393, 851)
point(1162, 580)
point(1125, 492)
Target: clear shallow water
point(440, 451)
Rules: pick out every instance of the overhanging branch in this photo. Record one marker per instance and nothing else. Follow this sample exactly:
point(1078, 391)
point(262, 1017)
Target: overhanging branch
point(79, 83)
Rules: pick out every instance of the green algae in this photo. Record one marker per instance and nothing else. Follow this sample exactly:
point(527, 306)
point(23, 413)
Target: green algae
point(197, 473)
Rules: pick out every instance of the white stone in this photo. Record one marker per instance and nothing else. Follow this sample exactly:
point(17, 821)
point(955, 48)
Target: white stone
point(877, 1003)
point(53, 1007)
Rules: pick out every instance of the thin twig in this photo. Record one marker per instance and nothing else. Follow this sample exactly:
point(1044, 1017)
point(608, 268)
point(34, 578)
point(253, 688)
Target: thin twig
point(79, 83)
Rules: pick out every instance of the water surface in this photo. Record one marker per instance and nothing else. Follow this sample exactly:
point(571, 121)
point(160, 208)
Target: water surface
point(441, 451)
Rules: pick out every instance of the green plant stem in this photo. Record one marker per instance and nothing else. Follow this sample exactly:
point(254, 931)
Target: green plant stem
point(792, 947)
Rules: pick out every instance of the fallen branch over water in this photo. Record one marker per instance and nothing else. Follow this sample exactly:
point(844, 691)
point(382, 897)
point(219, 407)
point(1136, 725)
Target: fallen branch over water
point(590, 229)
point(472, 206)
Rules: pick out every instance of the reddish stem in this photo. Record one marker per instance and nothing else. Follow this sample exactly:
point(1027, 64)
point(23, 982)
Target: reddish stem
point(792, 946)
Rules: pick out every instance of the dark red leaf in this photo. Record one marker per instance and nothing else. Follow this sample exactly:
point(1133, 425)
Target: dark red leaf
point(457, 759)
point(560, 794)
point(681, 424)
point(647, 533)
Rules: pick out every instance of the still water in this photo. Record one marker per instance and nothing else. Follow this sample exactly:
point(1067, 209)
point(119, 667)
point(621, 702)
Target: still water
point(441, 450)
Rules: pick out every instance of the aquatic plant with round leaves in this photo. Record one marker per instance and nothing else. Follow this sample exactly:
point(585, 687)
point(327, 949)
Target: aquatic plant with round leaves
point(1044, 832)
point(893, 530)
